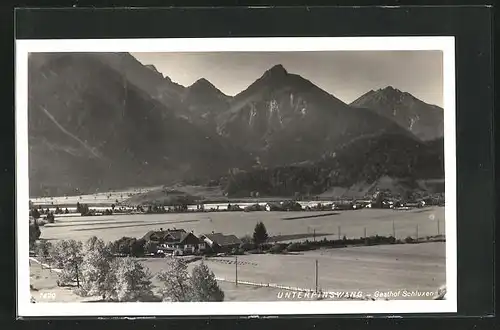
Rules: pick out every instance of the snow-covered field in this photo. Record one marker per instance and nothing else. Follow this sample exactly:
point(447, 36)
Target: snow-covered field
point(384, 268)
point(350, 223)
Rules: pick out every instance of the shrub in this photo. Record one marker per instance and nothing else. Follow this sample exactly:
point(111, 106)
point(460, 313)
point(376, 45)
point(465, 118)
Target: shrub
point(409, 239)
point(137, 247)
point(255, 251)
point(246, 239)
point(278, 248)
point(35, 213)
point(266, 246)
point(237, 251)
point(34, 233)
point(294, 247)
point(50, 218)
point(305, 246)
point(247, 246)
point(44, 249)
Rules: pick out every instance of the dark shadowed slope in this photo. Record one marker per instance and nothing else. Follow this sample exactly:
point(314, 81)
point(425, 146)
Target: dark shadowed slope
point(284, 118)
point(424, 120)
point(361, 162)
point(205, 102)
point(94, 124)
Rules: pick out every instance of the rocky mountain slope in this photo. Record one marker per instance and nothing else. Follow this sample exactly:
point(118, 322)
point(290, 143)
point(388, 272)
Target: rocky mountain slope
point(205, 103)
point(424, 120)
point(94, 124)
point(283, 118)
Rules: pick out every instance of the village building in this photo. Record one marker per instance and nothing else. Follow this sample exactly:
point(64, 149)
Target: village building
point(175, 241)
point(219, 242)
point(343, 206)
point(273, 207)
point(291, 206)
point(415, 204)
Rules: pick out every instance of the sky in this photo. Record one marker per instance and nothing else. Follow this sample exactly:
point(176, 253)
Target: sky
point(345, 74)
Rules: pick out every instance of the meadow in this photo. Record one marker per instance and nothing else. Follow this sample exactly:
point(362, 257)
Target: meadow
point(353, 224)
point(411, 267)
point(364, 269)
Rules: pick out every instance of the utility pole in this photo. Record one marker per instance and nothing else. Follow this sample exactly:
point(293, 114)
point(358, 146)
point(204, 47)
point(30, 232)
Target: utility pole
point(364, 232)
point(393, 229)
point(236, 269)
point(316, 275)
point(417, 232)
point(438, 226)
point(338, 229)
point(314, 235)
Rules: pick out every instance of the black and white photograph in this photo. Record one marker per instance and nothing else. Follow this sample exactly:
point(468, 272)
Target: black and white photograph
point(236, 176)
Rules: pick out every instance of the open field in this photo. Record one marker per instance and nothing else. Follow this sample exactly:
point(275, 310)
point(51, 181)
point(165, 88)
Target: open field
point(367, 269)
point(351, 223)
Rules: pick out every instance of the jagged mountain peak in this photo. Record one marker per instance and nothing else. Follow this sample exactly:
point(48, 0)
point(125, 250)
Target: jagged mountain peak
point(390, 92)
point(422, 119)
point(390, 89)
point(202, 83)
point(203, 86)
point(277, 78)
point(277, 69)
point(152, 67)
point(386, 95)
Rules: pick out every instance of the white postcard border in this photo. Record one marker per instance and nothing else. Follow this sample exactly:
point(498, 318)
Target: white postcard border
point(23, 47)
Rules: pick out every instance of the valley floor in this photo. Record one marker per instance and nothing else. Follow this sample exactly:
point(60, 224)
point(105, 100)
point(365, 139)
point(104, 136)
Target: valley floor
point(367, 269)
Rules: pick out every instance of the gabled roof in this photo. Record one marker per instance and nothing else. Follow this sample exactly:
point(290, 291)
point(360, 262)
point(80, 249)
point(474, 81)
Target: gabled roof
point(184, 236)
point(175, 234)
point(223, 240)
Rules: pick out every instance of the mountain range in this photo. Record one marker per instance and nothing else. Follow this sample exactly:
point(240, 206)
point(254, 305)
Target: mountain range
point(101, 121)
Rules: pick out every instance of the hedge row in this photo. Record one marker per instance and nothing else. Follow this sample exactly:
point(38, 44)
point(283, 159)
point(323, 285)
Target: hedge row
point(313, 245)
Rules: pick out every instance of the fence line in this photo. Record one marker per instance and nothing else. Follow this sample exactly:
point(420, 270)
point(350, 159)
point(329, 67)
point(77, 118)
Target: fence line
point(290, 288)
